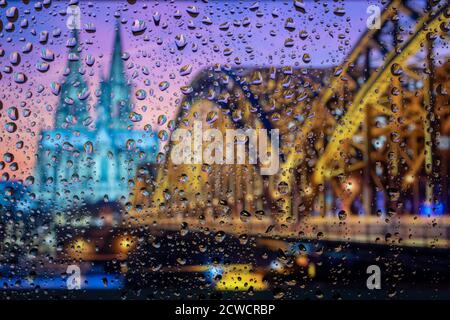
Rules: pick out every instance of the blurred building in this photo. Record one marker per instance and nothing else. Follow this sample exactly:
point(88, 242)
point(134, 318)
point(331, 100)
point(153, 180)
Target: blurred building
point(15, 205)
point(83, 161)
point(283, 99)
point(231, 98)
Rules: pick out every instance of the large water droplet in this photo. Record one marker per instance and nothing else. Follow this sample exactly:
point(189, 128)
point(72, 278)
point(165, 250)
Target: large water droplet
point(42, 66)
point(14, 58)
point(10, 127)
point(83, 94)
point(185, 70)
point(130, 144)
point(20, 77)
point(141, 94)
point(90, 60)
point(192, 11)
point(13, 113)
point(211, 117)
point(8, 157)
point(67, 146)
point(27, 48)
point(138, 27)
point(186, 90)
point(47, 54)
point(135, 117)
point(163, 135)
point(164, 85)
point(162, 119)
point(283, 187)
point(88, 147)
point(55, 88)
point(180, 41)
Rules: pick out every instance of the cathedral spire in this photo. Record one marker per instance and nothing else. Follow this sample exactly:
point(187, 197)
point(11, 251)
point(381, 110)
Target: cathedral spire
point(72, 108)
point(116, 72)
point(103, 108)
point(120, 93)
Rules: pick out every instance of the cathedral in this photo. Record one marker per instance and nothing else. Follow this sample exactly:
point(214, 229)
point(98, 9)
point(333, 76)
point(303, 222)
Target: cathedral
point(85, 160)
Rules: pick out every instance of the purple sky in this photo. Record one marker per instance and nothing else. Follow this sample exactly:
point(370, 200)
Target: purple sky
point(264, 38)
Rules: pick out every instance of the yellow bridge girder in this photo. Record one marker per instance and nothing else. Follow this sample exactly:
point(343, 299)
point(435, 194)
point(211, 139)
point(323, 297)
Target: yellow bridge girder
point(371, 92)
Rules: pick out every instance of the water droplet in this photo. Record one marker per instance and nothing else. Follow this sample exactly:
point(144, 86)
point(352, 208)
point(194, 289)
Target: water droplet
point(340, 12)
point(42, 66)
point(254, 6)
point(180, 41)
point(306, 58)
point(245, 215)
point(186, 90)
point(396, 69)
point(67, 146)
point(163, 135)
point(224, 26)
point(88, 147)
point(138, 27)
point(20, 77)
point(206, 20)
point(29, 180)
point(55, 88)
point(27, 48)
point(219, 236)
point(299, 6)
point(12, 13)
point(243, 239)
point(13, 113)
point(192, 11)
point(141, 94)
point(211, 117)
point(135, 117)
point(283, 187)
point(185, 70)
point(8, 157)
point(90, 27)
point(130, 144)
point(14, 58)
point(164, 85)
point(289, 25)
point(83, 94)
point(90, 60)
point(156, 18)
point(47, 54)
point(289, 43)
point(227, 52)
point(162, 119)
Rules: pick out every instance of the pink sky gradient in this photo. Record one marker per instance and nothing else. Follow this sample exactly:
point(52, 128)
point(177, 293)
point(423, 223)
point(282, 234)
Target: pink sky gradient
point(159, 53)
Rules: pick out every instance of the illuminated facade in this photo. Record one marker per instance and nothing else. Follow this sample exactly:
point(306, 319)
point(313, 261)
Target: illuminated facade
point(83, 162)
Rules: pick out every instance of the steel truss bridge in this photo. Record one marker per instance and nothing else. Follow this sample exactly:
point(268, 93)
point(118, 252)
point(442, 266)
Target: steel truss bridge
point(364, 146)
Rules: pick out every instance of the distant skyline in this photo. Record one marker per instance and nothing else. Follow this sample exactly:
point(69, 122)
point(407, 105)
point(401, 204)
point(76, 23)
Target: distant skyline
point(153, 55)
